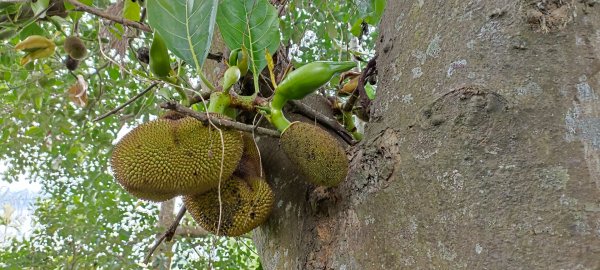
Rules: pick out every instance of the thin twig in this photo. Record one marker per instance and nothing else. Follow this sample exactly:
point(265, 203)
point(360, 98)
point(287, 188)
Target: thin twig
point(117, 109)
point(171, 231)
point(323, 120)
point(172, 105)
point(281, 4)
point(168, 235)
point(102, 14)
point(360, 89)
point(97, 71)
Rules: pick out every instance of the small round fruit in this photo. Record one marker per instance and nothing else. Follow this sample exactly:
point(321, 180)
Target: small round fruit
point(71, 63)
point(75, 48)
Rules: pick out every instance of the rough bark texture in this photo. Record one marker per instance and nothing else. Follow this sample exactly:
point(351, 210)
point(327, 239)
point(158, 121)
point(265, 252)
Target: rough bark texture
point(483, 151)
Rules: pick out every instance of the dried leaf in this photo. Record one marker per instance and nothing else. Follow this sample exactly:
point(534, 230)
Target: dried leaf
point(271, 66)
point(348, 75)
point(78, 92)
point(349, 87)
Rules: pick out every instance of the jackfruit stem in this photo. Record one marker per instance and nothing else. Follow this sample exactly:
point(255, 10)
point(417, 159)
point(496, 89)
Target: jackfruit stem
point(219, 102)
point(348, 122)
point(276, 116)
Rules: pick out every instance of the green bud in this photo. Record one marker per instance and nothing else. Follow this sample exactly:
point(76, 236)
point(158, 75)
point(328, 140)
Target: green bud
point(233, 56)
point(242, 61)
point(232, 75)
point(301, 82)
point(160, 63)
point(308, 78)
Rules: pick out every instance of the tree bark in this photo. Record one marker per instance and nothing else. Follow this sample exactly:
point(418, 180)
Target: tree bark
point(483, 151)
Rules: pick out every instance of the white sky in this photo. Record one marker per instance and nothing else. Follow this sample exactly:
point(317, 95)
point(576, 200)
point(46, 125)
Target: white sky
point(18, 198)
point(16, 206)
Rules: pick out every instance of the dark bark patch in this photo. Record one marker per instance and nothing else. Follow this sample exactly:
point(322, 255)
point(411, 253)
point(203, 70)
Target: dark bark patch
point(373, 166)
point(466, 106)
point(465, 116)
point(322, 199)
point(548, 15)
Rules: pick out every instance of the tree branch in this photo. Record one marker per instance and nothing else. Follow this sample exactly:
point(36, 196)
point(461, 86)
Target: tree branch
point(102, 14)
point(323, 120)
point(187, 231)
point(172, 105)
point(117, 109)
point(168, 235)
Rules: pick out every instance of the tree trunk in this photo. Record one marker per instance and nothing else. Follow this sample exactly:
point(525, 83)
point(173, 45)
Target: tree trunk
point(483, 150)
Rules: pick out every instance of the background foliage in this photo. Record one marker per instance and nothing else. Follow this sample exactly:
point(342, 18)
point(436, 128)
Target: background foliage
point(82, 218)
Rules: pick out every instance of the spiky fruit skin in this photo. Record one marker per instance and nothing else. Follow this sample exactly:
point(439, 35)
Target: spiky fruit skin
point(144, 194)
point(316, 153)
point(75, 48)
point(245, 205)
point(163, 158)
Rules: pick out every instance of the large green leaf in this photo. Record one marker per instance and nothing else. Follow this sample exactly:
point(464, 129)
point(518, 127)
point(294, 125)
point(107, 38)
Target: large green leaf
point(186, 26)
point(253, 24)
point(39, 7)
point(132, 10)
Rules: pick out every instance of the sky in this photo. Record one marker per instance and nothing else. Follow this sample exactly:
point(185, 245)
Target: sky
point(16, 206)
point(17, 199)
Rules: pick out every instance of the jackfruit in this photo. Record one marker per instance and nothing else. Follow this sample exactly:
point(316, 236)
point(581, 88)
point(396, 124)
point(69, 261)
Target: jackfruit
point(149, 196)
point(167, 157)
point(246, 203)
point(75, 48)
point(316, 153)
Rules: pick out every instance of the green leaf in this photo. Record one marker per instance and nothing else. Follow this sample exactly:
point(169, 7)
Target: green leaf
point(378, 7)
point(38, 101)
point(186, 26)
point(252, 24)
point(32, 29)
point(39, 7)
point(132, 10)
point(33, 131)
point(356, 28)
point(370, 90)
point(331, 29)
point(76, 15)
point(7, 33)
point(113, 73)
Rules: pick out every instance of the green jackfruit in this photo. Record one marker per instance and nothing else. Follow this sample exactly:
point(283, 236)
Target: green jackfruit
point(167, 157)
point(245, 205)
point(75, 48)
point(316, 153)
point(149, 196)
